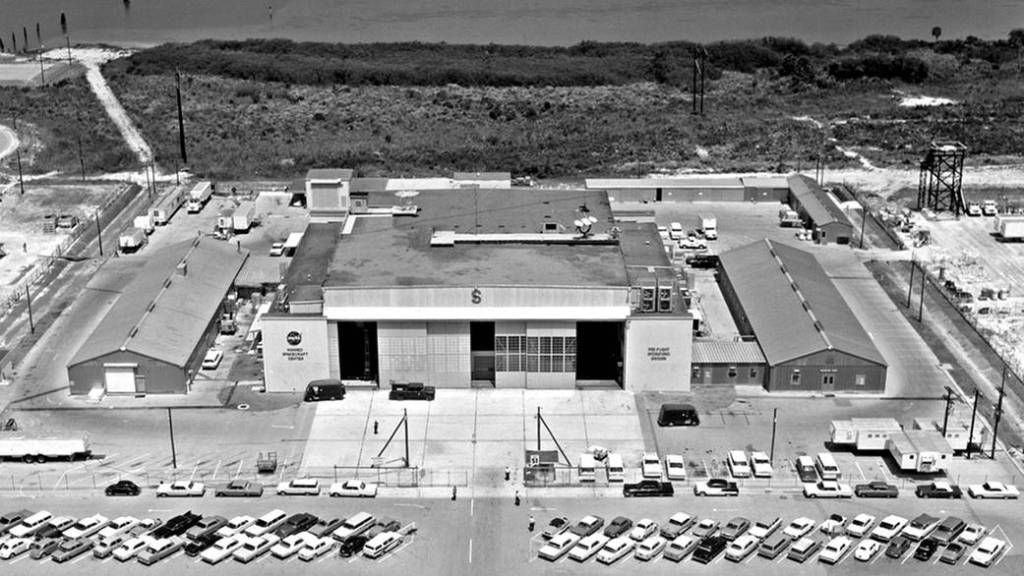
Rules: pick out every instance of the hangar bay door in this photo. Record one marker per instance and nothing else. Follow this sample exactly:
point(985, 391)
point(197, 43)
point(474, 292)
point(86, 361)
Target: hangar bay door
point(119, 378)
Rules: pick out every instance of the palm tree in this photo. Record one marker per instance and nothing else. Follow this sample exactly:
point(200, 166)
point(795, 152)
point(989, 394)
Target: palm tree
point(936, 32)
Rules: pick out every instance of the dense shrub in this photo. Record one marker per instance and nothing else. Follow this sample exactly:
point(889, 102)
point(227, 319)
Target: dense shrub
point(905, 68)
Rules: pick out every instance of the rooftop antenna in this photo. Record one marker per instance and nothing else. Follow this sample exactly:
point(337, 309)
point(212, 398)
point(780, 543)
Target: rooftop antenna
point(584, 225)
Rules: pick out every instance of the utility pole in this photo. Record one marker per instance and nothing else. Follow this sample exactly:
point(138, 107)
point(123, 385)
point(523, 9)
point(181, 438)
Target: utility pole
point(99, 233)
point(920, 305)
point(42, 73)
point(17, 152)
point(863, 223)
point(405, 422)
point(538, 428)
point(181, 121)
point(174, 453)
point(999, 414)
point(970, 434)
point(775, 420)
point(949, 402)
point(910, 288)
point(28, 299)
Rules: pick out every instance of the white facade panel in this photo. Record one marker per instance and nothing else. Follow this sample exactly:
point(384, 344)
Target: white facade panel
point(402, 351)
point(479, 313)
point(658, 353)
point(295, 352)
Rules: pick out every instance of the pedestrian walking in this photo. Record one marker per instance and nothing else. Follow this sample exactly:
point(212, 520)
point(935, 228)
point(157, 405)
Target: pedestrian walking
point(455, 493)
point(532, 523)
point(508, 473)
point(517, 497)
point(375, 426)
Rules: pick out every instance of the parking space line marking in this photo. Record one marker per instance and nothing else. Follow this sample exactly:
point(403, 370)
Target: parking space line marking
point(216, 469)
point(781, 560)
point(470, 550)
point(907, 557)
point(861, 470)
point(18, 559)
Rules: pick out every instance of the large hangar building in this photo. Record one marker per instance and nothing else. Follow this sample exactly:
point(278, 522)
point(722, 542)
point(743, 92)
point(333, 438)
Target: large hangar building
point(502, 288)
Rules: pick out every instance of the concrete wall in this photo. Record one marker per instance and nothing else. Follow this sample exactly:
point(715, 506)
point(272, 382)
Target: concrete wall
point(843, 367)
point(761, 194)
point(658, 352)
point(719, 374)
point(295, 351)
point(160, 377)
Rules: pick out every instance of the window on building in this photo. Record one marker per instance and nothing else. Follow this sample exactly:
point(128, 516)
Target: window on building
point(535, 353)
point(795, 378)
point(860, 380)
point(732, 371)
point(695, 372)
point(753, 373)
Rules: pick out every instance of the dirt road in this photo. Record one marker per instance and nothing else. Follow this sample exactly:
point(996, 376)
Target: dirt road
point(8, 142)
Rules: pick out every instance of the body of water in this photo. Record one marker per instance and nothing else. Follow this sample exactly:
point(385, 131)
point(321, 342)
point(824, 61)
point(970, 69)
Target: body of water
point(549, 22)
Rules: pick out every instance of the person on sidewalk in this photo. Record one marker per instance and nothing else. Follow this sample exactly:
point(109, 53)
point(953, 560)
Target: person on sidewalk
point(455, 493)
point(375, 426)
point(508, 473)
point(532, 523)
point(517, 497)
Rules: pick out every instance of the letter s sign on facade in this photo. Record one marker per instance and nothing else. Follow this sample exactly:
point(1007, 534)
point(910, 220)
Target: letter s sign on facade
point(477, 296)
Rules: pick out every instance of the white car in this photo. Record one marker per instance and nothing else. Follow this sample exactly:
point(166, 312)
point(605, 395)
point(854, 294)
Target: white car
point(277, 249)
point(212, 359)
point(299, 487)
point(834, 525)
point(292, 544)
point(867, 550)
point(835, 550)
point(650, 548)
point(615, 549)
point(675, 231)
point(181, 488)
point(888, 528)
point(317, 549)
point(675, 467)
point(799, 528)
point(558, 546)
point(693, 243)
point(764, 528)
point(131, 548)
point(828, 489)
point(353, 488)
point(974, 209)
point(663, 232)
point(860, 525)
point(988, 208)
point(643, 529)
point(739, 466)
point(118, 525)
point(15, 546)
point(381, 544)
point(650, 465)
point(741, 547)
point(987, 552)
point(972, 534)
point(86, 527)
point(223, 548)
point(677, 524)
point(31, 525)
point(266, 523)
point(588, 546)
point(235, 526)
point(761, 465)
point(253, 548)
point(996, 490)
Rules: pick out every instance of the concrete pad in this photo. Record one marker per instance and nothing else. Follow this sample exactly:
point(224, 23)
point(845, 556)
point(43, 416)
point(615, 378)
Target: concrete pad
point(501, 402)
point(454, 402)
point(563, 426)
point(448, 454)
point(498, 454)
point(608, 402)
point(329, 453)
point(625, 427)
point(339, 427)
point(507, 428)
point(450, 428)
point(552, 401)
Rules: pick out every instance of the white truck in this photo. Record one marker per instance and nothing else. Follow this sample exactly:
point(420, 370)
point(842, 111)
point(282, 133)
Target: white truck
point(789, 218)
point(31, 449)
point(1010, 228)
point(199, 196)
point(167, 207)
point(709, 226)
point(869, 434)
point(145, 222)
point(226, 219)
point(242, 219)
point(131, 240)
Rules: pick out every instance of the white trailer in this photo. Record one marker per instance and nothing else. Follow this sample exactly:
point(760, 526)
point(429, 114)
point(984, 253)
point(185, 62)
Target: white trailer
point(292, 243)
point(789, 218)
point(924, 451)
point(199, 196)
point(145, 222)
point(1010, 227)
point(131, 240)
point(168, 207)
point(30, 449)
point(242, 219)
point(226, 219)
point(957, 431)
point(709, 226)
point(864, 433)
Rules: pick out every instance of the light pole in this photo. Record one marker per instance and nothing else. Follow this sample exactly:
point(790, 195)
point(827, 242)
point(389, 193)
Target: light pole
point(999, 414)
point(970, 434)
point(174, 454)
point(775, 420)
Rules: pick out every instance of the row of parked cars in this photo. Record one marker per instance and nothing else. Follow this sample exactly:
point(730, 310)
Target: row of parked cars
point(248, 489)
point(212, 538)
point(705, 540)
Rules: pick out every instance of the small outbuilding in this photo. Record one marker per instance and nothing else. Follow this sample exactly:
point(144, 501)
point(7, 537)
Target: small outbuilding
point(828, 221)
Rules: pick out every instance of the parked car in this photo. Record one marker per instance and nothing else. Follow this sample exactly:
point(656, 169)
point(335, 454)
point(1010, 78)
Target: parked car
point(587, 525)
point(118, 525)
point(240, 489)
point(55, 527)
point(277, 249)
point(675, 467)
point(86, 527)
point(953, 553)
point(898, 547)
point(383, 525)
point(223, 549)
point(208, 525)
point(176, 526)
point(381, 544)
point(867, 550)
point(972, 534)
point(679, 522)
point(739, 466)
point(888, 528)
point(706, 527)
point(326, 527)
point(949, 529)
point(291, 545)
point(299, 487)
point(926, 549)
point(939, 489)
point(212, 359)
point(29, 526)
point(160, 549)
point(411, 391)
point(71, 549)
point(266, 523)
point(643, 529)
point(648, 488)
point(650, 465)
point(320, 546)
point(354, 526)
point(806, 469)
point(180, 488)
point(741, 547)
point(254, 547)
point(123, 488)
point(799, 528)
point(702, 261)
point(296, 523)
point(352, 546)
point(834, 525)
point(735, 528)
point(556, 526)
point(693, 243)
point(835, 550)
point(876, 489)
point(709, 548)
point(44, 547)
point(615, 549)
point(198, 545)
point(828, 489)
point(12, 519)
point(765, 528)
point(801, 550)
point(761, 465)
point(716, 487)
point(860, 525)
point(353, 488)
point(15, 546)
point(649, 548)
point(680, 547)
point(995, 490)
point(921, 527)
point(558, 546)
point(588, 547)
point(617, 527)
point(130, 548)
point(987, 552)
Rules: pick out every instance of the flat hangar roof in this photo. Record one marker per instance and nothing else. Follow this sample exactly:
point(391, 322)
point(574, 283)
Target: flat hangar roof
point(396, 251)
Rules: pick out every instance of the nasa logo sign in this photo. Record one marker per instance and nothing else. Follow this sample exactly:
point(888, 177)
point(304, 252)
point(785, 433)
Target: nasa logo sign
point(294, 338)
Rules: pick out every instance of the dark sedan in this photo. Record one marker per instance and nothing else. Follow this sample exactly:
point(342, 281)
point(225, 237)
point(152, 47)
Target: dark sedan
point(735, 528)
point(618, 526)
point(898, 547)
point(709, 549)
point(876, 489)
point(953, 553)
point(177, 525)
point(648, 488)
point(939, 490)
point(296, 523)
point(240, 489)
point(12, 519)
point(204, 541)
point(44, 547)
point(926, 549)
point(71, 549)
point(326, 527)
point(123, 488)
point(351, 546)
point(411, 391)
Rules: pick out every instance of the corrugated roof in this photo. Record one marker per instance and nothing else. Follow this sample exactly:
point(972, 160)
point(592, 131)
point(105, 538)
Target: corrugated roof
point(726, 352)
point(815, 201)
point(260, 270)
point(765, 181)
point(792, 305)
point(329, 174)
point(689, 182)
point(921, 441)
point(482, 176)
point(161, 313)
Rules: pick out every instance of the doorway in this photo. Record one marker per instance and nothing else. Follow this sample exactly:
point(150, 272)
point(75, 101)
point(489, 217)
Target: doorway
point(481, 348)
point(358, 350)
point(599, 351)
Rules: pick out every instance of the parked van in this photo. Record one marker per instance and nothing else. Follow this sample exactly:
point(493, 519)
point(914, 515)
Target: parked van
point(326, 389)
point(616, 471)
point(678, 415)
point(675, 231)
point(827, 467)
point(587, 468)
point(354, 526)
point(381, 544)
point(773, 546)
point(803, 549)
point(266, 523)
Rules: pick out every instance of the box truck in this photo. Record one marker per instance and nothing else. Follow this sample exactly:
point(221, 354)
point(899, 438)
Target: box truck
point(27, 448)
point(709, 226)
point(199, 196)
point(226, 219)
point(131, 240)
point(1010, 228)
point(145, 222)
point(242, 219)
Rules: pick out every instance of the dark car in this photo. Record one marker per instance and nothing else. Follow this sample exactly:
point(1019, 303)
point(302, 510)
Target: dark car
point(12, 519)
point(709, 549)
point(735, 528)
point(707, 261)
point(411, 391)
point(939, 490)
point(587, 525)
point(953, 553)
point(926, 549)
point(383, 525)
point(618, 526)
point(294, 524)
point(195, 547)
point(177, 525)
point(678, 415)
point(949, 529)
point(71, 549)
point(646, 488)
point(325, 527)
point(123, 488)
point(240, 489)
point(44, 547)
point(328, 389)
point(351, 546)
point(898, 547)
point(208, 525)
point(876, 489)
point(806, 470)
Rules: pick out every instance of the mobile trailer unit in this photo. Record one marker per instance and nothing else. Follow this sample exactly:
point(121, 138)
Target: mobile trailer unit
point(226, 219)
point(242, 219)
point(168, 207)
point(1010, 228)
point(957, 430)
point(131, 240)
point(867, 434)
point(924, 451)
point(145, 222)
point(42, 449)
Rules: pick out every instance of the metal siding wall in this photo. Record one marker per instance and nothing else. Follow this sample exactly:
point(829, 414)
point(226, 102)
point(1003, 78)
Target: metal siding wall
point(510, 379)
point(551, 379)
point(402, 352)
point(720, 374)
point(847, 367)
point(333, 350)
point(448, 349)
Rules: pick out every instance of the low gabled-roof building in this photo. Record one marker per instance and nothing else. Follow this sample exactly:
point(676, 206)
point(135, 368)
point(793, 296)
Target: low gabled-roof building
point(830, 224)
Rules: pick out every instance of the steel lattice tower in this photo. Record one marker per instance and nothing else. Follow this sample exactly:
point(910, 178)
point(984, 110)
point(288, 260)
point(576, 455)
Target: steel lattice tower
point(940, 187)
